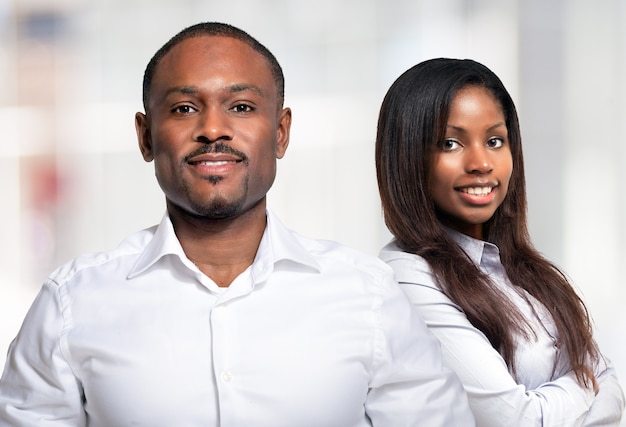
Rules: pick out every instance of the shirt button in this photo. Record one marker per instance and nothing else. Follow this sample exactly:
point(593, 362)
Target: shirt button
point(226, 376)
point(221, 308)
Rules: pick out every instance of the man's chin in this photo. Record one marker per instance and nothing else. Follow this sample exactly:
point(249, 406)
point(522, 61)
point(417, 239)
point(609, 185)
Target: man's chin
point(205, 210)
point(218, 211)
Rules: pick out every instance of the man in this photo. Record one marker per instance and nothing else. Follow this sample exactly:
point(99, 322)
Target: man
point(220, 316)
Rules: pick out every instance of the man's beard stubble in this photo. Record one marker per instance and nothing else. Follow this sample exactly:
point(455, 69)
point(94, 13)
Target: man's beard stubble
point(218, 209)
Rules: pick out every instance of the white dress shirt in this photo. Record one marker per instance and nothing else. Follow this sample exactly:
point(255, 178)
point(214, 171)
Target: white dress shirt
point(311, 334)
point(545, 392)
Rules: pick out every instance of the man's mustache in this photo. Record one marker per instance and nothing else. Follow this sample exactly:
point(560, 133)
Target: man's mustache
point(218, 147)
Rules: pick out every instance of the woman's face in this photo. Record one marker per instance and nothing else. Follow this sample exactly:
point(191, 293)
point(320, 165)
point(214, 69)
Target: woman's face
point(472, 166)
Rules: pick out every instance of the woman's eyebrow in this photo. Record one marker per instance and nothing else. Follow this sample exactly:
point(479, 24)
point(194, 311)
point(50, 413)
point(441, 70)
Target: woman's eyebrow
point(463, 130)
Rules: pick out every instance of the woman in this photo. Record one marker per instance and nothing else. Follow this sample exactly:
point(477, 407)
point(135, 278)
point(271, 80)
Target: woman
point(451, 179)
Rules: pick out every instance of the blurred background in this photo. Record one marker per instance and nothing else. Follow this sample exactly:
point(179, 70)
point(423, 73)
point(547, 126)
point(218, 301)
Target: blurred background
point(73, 181)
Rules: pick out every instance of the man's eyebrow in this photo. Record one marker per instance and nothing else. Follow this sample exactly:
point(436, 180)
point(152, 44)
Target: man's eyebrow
point(242, 87)
point(185, 90)
point(233, 88)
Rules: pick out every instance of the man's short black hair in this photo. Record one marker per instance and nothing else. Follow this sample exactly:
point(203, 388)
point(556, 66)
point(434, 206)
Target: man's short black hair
point(213, 29)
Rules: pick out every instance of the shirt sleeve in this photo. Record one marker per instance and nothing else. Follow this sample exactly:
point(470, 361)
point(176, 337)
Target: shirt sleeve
point(495, 396)
point(38, 387)
point(608, 404)
point(409, 385)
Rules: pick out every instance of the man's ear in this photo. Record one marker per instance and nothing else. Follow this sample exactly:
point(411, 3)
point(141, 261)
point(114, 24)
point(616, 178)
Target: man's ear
point(144, 138)
point(282, 134)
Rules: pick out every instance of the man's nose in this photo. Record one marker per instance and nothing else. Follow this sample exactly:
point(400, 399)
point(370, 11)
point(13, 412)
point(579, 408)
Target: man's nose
point(213, 125)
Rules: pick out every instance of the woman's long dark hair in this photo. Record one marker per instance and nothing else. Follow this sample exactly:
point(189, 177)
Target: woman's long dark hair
point(413, 119)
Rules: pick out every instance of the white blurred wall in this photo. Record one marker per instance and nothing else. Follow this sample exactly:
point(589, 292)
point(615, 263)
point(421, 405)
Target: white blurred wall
point(73, 180)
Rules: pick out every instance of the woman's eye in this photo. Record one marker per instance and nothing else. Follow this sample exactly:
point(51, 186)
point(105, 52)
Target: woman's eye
point(449, 144)
point(495, 142)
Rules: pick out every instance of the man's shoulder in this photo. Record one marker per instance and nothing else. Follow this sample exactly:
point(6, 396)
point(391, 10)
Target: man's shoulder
point(340, 255)
point(122, 255)
point(328, 254)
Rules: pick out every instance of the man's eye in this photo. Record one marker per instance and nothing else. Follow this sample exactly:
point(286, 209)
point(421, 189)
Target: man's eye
point(242, 108)
point(183, 109)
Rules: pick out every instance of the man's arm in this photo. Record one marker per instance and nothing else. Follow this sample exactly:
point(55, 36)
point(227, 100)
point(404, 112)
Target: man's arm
point(409, 385)
point(38, 387)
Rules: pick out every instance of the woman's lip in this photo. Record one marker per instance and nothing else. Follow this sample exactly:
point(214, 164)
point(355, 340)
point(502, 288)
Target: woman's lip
point(477, 195)
point(477, 190)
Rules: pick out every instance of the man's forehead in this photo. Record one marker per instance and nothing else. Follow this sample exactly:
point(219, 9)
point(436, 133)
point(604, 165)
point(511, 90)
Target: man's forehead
point(229, 63)
point(213, 52)
point(207, 43)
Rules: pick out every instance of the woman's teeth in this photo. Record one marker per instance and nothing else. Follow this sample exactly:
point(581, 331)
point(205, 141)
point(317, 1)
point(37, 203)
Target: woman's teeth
point(477, 191)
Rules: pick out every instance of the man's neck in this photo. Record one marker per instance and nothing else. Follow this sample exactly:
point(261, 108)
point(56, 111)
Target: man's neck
point(222, 249)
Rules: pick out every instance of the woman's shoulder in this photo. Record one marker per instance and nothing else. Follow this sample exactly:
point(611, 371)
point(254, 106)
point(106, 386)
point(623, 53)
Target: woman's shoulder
point(408, 268)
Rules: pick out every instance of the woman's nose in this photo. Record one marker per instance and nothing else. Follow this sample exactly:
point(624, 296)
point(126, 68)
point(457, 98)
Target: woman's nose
point(478, 160)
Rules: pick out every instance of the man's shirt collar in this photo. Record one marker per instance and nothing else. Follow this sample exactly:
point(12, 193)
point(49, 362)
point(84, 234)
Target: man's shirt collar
point(277, 245)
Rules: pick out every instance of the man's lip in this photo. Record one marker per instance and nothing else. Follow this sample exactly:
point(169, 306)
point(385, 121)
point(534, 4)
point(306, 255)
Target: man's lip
point(212, 158)
point(218, 152)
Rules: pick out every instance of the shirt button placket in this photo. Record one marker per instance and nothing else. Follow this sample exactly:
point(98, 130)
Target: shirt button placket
point(221, 327)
